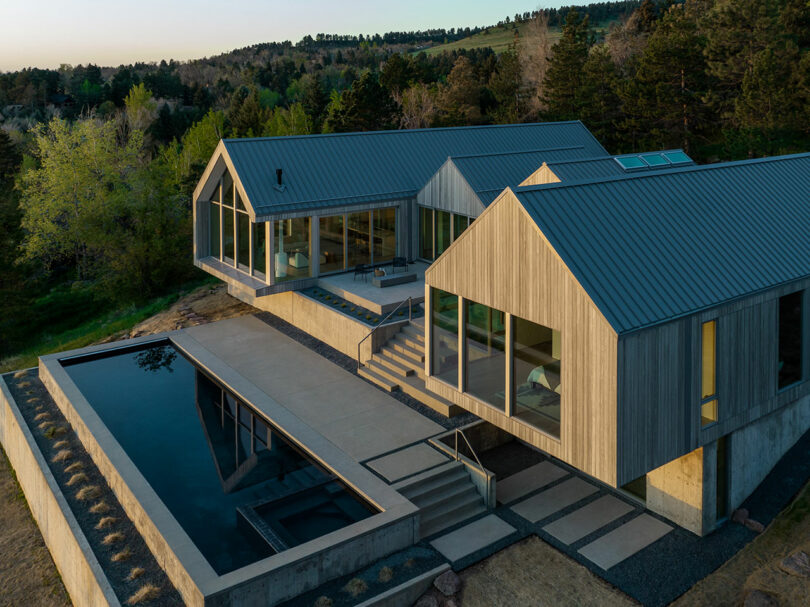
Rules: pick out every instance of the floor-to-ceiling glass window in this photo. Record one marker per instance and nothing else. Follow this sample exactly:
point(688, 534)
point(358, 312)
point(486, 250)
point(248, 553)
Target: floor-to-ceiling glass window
point(790, 339)
point(444, 336)
point(215, 230)
point(358, 238)
point(243, 240)
point(385, 235)
point(485, 348)
point(460, 223)
point(444, 234)
point(426, 233)
point(228, 219)
point(259, 250)
point(332, 241)
point(536, 354)
point(291, 252)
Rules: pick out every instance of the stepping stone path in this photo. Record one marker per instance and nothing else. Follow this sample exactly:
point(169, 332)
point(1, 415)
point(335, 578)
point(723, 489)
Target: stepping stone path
point(623, 542)
point(471, 538)
point(544, 504)
point(588, 519)
point(528, 480)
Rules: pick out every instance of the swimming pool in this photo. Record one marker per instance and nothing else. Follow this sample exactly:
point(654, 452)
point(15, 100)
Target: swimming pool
point(238, 487)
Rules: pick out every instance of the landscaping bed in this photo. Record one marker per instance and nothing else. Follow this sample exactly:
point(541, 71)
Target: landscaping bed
point(130, 567)
point(355, 311)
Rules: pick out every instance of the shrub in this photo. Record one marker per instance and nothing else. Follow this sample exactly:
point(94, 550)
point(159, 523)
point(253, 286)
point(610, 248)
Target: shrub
point(100, 507)
point(45, 425)
point(120, 557)
point(323, 601)
point(386, 575)
point(88, 492)
point(112, 538)
point(40, 416)
point(136, 573)
point(355, 587)
point(106, 521)
point(55, 431)
point(145, 593)
point(62, 456)
point(79, 477)
point(61, 444)
point(20, 374)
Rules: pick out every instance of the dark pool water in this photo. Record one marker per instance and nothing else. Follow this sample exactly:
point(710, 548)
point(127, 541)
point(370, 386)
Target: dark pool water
point(206, 455)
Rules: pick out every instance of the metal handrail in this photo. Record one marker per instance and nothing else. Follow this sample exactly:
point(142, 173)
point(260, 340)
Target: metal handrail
point(390, 314)
point(475, 455)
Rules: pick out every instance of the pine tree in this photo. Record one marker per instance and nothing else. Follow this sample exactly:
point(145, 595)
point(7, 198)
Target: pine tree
point(598, 96)
point(506, 83)
point(563, 79)
point(366, 106)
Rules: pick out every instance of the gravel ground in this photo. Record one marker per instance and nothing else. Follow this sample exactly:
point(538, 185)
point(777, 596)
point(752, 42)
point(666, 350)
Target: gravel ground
point(349, 364)
point(34, 402)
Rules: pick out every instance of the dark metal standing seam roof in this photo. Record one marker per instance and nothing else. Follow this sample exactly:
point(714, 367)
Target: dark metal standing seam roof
point(655, 246)
point(329, 170)
point(595, 168)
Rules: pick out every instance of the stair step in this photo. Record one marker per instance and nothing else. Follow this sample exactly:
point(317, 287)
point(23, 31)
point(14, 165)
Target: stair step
point(419, 323)
point(404, 359)
point(373, 376)
point(399, 344)
point(414, 333)
point(414, 482)
point(451, 517)
point(415, 387)
point(421, 489)
point(458, 492)
point(393, 365)
point(385, 372)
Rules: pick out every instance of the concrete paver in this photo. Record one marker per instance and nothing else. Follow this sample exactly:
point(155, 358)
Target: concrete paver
point(358, 418)
point(544, 504)
point(623, 542)
point(528, 480)
point(470, 538)
point(407, 462)
point(588, 519)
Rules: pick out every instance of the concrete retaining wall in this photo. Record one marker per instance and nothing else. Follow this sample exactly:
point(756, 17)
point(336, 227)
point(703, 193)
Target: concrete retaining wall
point(407, 593)
point(81, 573)
point(330, 326)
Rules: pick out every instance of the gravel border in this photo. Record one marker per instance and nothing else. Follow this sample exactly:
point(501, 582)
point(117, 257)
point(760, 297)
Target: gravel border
point(33, 399)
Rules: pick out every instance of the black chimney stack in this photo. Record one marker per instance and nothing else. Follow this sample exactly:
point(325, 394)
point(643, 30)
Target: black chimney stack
point(278, 176)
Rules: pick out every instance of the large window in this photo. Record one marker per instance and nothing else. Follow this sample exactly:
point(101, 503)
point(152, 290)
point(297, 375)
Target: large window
point(291, 249)
point(259, 249)
point(790, 339)
point(358, 238)
point(708, 382)
point(385, 235)
point(485, 343)
point(227, 235)
point(243, 240)
point(444, 331)
point(437, 231)
point(215, 232)
point(536, 353)
point(332, 239)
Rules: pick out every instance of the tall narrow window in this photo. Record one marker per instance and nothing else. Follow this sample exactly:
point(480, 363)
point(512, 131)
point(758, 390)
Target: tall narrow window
point(259, 249)
point(243, 241)
point(460, 223)
point(444, 336)
point(790, 339)
point(426, 233)
point(332, 241)
point(537, 376)
point(443, 232)
point(485, 348)
point(215, 230)
point(708, 391)
point(385, 234)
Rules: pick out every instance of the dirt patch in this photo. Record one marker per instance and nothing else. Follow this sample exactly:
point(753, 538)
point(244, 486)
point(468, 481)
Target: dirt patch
point(27, 573)
point(756, 567)
point(533, 573)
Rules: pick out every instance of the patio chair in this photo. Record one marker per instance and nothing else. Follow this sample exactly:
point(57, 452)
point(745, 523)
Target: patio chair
point(399, 262)
point(361, 270)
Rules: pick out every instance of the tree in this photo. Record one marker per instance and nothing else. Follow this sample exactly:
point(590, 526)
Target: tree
point(397, 73)
point(418, 106)
point(506, 84)
point(187, 158)
point(563, 79)
point(366, 106)
point(246, 115)
point(314, 101)
point(460, 98)
point(535, 52)
point(598, 96)
point(141, 108)
point(288, 121)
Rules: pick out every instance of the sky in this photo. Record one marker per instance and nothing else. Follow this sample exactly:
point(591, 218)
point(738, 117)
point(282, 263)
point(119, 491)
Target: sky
point(47, 33)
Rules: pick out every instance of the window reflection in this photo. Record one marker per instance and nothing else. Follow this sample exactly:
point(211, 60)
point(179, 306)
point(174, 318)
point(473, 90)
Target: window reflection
point(485, 343)
point(537, 375)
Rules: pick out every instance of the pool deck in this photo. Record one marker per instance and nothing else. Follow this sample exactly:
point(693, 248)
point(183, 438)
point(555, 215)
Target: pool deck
point(359, 419)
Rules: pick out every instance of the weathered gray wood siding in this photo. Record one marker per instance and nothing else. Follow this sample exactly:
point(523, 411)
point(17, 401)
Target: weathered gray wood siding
point(449, 191)
point(660, 374)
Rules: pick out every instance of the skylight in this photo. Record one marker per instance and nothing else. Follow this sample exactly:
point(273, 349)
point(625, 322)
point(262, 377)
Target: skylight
point(655, 160)
point(629, 163)
point(677, 157)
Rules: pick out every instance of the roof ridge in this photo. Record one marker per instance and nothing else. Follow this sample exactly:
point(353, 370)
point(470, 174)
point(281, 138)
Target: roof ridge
point(514, 152)
point(659, 173)
point(389, 131)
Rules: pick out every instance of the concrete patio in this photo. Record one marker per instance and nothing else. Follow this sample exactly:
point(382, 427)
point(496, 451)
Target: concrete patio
point(360, 290)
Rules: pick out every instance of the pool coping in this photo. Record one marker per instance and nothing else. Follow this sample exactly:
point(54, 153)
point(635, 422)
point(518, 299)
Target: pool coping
point(185, 565)
point(82, 574)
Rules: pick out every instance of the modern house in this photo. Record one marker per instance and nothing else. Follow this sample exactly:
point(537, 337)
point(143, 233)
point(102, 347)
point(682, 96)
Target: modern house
point(638, 317)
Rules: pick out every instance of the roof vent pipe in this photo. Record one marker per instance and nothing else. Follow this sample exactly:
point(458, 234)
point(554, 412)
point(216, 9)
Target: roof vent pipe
point(278, 176)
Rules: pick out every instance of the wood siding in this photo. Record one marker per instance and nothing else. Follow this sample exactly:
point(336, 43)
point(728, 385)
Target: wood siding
point(449, 191)
point(659, 379)
point(541, 176)
point(503, 261)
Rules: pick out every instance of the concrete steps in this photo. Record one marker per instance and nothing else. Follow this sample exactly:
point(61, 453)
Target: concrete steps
point(445, 496)
point(400, 364)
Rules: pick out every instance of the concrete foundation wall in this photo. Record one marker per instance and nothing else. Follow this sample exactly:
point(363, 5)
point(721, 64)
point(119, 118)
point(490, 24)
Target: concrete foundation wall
point(676, 491)
point(330, 326)
point(81, 573)
point(756, 448)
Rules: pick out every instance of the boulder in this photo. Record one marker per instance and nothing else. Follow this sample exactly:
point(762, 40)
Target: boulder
point(426, 600)
point(797, 563)
point(753, 525)
point(448, 583)
point(739, 516)
point(758, 598)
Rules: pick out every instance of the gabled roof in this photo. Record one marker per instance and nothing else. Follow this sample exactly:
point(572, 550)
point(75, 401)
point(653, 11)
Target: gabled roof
point(338, 169)
point(603, 166)
point(655, 246)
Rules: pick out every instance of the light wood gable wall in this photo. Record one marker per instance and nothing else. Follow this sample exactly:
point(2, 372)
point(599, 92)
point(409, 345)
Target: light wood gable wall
point(660, 372)
point(541, 176)
point(505, 262)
